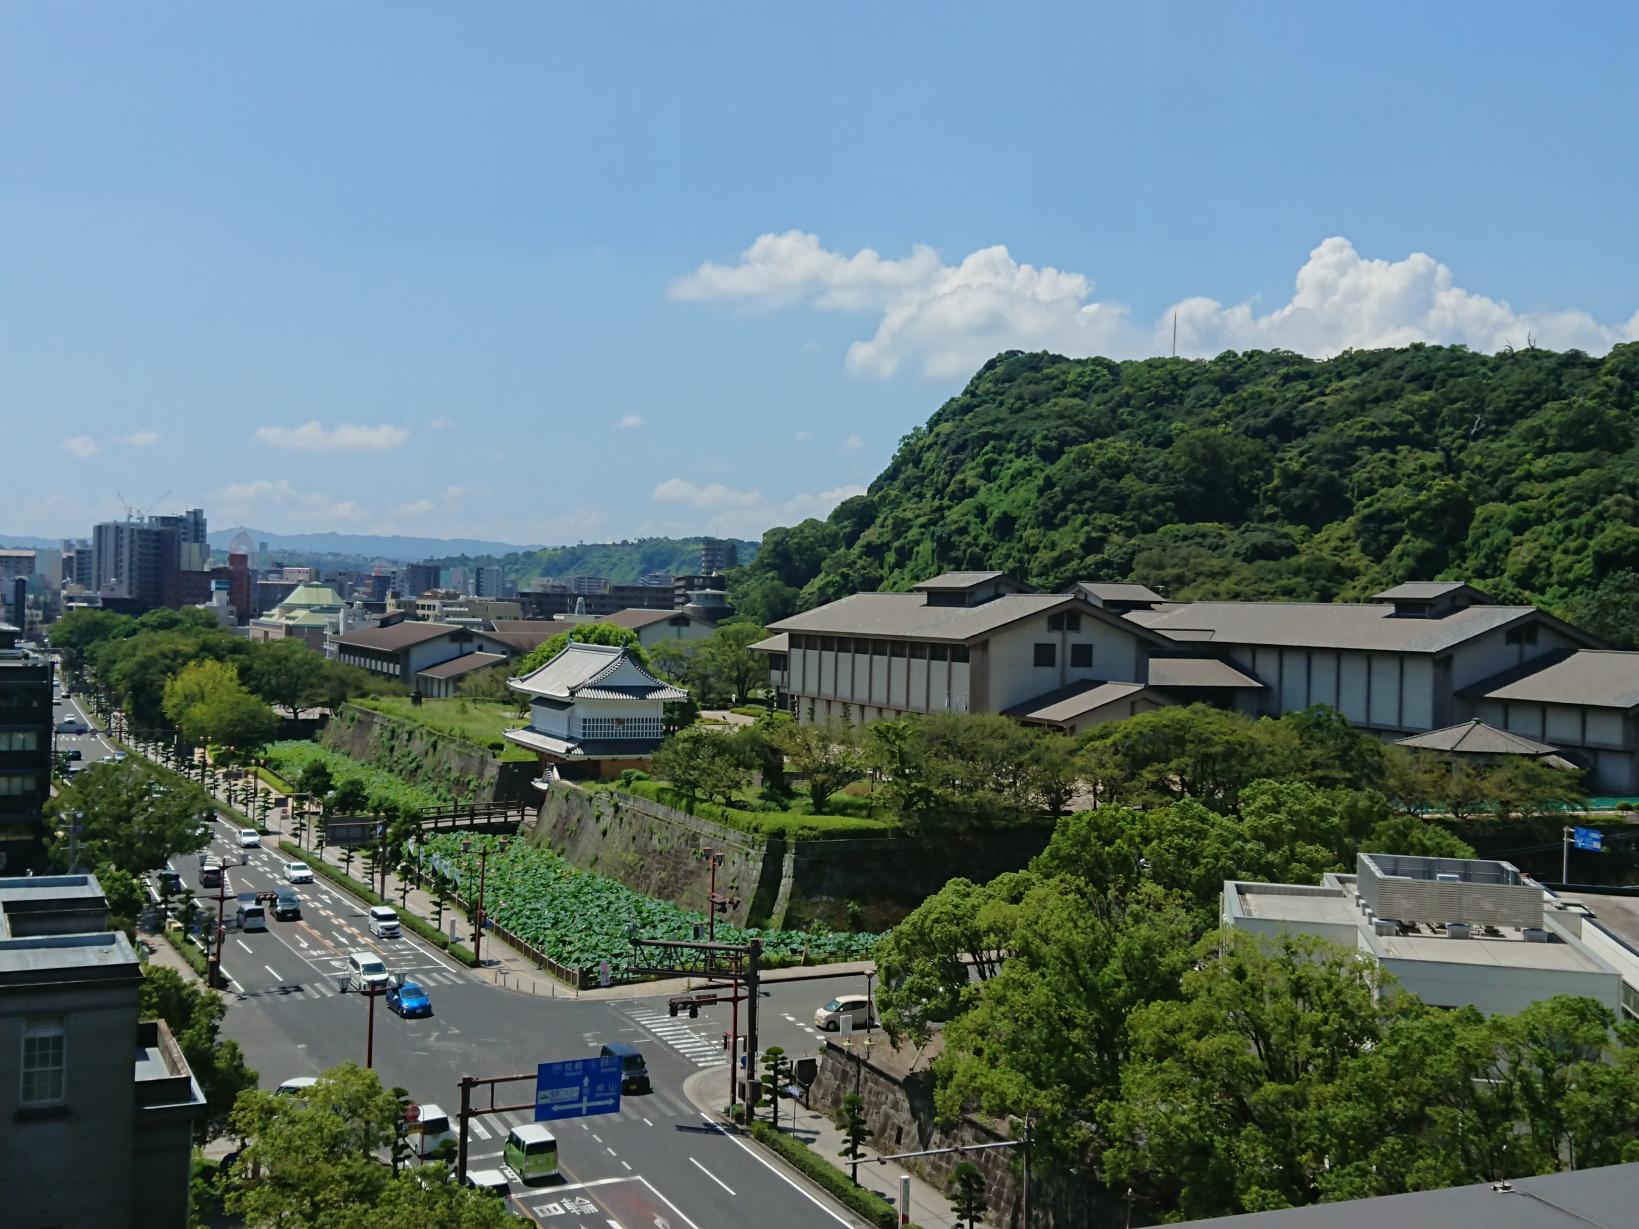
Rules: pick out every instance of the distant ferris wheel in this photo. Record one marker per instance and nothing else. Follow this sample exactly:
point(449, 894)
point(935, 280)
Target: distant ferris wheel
point(242, 544)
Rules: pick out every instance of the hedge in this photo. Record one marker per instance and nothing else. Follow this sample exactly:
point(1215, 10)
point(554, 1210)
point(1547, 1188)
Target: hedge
point(832, 1180)
point(369, 896)
point(788, 824)
point(195, 958)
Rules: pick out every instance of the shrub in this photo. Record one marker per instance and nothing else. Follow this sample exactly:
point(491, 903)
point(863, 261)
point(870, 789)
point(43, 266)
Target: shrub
point(835, 1181)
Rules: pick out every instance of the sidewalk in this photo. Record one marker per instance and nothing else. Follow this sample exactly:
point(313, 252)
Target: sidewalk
point(929, 1208)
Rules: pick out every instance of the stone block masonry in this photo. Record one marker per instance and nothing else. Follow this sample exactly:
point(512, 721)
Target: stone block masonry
point(426, 757)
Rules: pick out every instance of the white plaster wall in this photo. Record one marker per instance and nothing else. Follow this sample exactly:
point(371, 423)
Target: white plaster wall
point(1385, 698)
point(1417, 700)
point(1498, 989)
point(1604, 728)
point(1352, 699)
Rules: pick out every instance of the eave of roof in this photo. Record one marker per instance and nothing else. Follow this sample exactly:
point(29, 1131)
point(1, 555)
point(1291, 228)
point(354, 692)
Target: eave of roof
point(906, 616)
point(1064, 704)
point(1476, 737)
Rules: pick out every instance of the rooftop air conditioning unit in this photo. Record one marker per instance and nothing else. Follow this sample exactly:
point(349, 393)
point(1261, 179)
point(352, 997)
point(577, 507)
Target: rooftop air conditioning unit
point(1448, 877)
point(1386, 926)
point(1535, 934)
point(1459, 930)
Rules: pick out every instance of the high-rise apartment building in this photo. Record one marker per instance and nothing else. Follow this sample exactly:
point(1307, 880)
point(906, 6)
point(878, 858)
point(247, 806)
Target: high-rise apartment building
point(420, 577)
point(25, 753)
point(717, 556)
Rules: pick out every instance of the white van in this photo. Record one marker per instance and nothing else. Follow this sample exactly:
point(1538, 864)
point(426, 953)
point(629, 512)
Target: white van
point(432, 1130)
point(383, 922)
point(365, 971)
point(846, 1012)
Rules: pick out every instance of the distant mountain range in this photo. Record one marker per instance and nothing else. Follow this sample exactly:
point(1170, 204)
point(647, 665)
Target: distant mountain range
point(394, 547)
point(19, 541)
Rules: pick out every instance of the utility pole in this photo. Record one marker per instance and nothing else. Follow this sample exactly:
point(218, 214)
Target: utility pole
point(478, 913)
point(217, 980)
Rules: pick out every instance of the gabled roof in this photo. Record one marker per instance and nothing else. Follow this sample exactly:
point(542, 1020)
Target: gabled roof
point(962, 581)
point(595, 671)
point(1427, 591)
point(455, 667)
point(1067, 703)
point(1368, 626)
point(396, 636)
point(1115, 592)
point(1592, 678)
point(1476, 738)
point(634, 618)
point(907, 616)
point(779, 643)
point(1198, 672)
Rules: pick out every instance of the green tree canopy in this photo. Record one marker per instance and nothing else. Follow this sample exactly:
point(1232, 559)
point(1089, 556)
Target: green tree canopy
point(195, 1019)
point(128, 817)
point(611, 634)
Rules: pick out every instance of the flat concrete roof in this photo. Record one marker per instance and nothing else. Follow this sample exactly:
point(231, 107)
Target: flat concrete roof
point(1278, 906)
point(83, 955)
point(1509, 952)
point(1618, 914)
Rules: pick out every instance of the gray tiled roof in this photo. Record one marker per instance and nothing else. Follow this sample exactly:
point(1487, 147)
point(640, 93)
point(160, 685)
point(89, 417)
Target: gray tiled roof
point(1116, 592)
point(455, 667)
point(1326, 625)
point(1476, 738)
point(1073, 700)
point(1596, 678)
point(780, 643)
point(1197, 672)
point(1582, 1197)
point(960, 580)
point(395, 636)
point(580, 667)
point(1423, 590)
point(634, 618)
point(907, 616)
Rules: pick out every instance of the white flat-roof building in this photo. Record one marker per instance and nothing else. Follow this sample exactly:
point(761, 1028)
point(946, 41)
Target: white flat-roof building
point(1455, 932)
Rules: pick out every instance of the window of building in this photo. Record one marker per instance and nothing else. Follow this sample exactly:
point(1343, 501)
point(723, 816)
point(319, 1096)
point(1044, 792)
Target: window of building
point(828, 644)
point(45, 1068)
point(1072, 620)
point(1521, 635)
point(958, 652)
point(897, 649)
point(19, 740)
point(1055, 622)
point(620, 727)
point(879, 648)
point(1081, 656)
point(919, 652)
point(936, 652)
point(1047, 653)
point(14, 783)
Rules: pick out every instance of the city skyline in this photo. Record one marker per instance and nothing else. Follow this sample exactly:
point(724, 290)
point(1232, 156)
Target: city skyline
point(583, 276)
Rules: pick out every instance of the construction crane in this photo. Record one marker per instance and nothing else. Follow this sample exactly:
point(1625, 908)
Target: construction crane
point(136, 514)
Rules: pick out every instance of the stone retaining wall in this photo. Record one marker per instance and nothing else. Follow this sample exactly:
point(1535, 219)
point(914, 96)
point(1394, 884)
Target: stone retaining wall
point(423, 756)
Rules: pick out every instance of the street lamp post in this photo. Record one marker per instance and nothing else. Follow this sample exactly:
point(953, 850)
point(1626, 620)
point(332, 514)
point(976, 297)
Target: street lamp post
point(372, 993)
point(478, 913)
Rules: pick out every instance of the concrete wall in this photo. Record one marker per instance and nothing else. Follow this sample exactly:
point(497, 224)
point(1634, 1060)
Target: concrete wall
point(423, 756)
point(1014, 677)
point(1494, 987)
point(871, 882)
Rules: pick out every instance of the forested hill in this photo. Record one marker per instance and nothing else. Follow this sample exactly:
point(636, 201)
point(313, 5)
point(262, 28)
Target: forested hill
point(1262, 474)
point(623, 562)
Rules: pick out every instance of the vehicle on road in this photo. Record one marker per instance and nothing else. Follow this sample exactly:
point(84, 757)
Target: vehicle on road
point(298, 872)
point(74, 753)
point(251, 914)
point(287, 906)
point(384, 922)
point(491, 1180)
point(210, 874)
point(295, 1086)
point(118, 757)
point(855, 1008)
point(365, 971)
point(432, 1129)
point(167, 882)
point(634, 1072)
point(249, 838)
point(409, 999)
point(531, 1152)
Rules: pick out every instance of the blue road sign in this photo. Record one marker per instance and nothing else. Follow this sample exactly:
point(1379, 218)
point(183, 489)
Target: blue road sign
point(577, 1088)
point(1588, 838)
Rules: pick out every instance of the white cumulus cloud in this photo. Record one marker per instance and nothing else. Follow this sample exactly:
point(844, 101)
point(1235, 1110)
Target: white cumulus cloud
point(737, 513)
point(631, 422)
point(946, 320)
point(266, 497)
point(81, 447)
point(142, 439)
point(852, 443)
point(344, 437)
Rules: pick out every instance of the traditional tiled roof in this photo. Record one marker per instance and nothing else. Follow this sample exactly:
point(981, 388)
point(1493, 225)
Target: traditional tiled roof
point(455, 667)
point(595, 671)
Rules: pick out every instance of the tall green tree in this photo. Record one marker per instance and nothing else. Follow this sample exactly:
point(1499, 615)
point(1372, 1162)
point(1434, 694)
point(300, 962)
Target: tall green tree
point(287, 674)
point(611, 634)
point(123, 820)
point(826, 756)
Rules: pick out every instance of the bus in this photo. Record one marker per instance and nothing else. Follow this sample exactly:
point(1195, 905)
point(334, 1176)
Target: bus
point(532, 1152)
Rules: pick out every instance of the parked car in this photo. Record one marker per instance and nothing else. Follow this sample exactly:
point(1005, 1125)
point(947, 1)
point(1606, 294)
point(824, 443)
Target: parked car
point(296, 1086)
point(118, 757)
point(409, 999)
point(854, 1007)
point(249, 838)
point(634, 1072)
point(298, 872)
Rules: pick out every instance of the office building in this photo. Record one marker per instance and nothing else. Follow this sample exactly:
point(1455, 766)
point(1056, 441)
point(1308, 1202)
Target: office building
point(16, 563)
point(25, 753)
point(419, 578)
point(97, 1109)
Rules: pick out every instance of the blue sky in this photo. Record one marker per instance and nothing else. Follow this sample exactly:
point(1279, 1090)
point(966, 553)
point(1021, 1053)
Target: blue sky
point(548, 273)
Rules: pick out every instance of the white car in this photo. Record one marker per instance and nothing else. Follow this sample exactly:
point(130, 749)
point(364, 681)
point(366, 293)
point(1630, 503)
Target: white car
point(249, 838)
point(852, 1009)
point(296, 1086)
point(298, 872)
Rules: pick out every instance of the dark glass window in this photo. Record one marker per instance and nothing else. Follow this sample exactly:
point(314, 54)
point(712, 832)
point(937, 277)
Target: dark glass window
point(1081, 657)
point(1047, 654)
point(919, 652)
point(958, 652)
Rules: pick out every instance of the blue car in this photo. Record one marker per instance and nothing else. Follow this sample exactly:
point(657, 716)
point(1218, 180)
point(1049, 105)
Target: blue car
point(409, 1000)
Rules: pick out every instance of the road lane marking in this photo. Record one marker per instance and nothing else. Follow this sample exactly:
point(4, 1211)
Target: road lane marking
point(711, 1175)
point(739, 1143)
point(611, 1151)
point(628, 1168)
point(242, 944)
point(273, 971)
point(646, 1121)
point(478, 1129)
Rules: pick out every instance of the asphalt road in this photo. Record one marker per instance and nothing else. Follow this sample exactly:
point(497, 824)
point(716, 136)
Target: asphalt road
point(659, 1163)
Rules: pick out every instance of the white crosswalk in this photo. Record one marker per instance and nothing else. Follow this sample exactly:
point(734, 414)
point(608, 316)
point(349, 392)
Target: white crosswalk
point(674, 1031)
